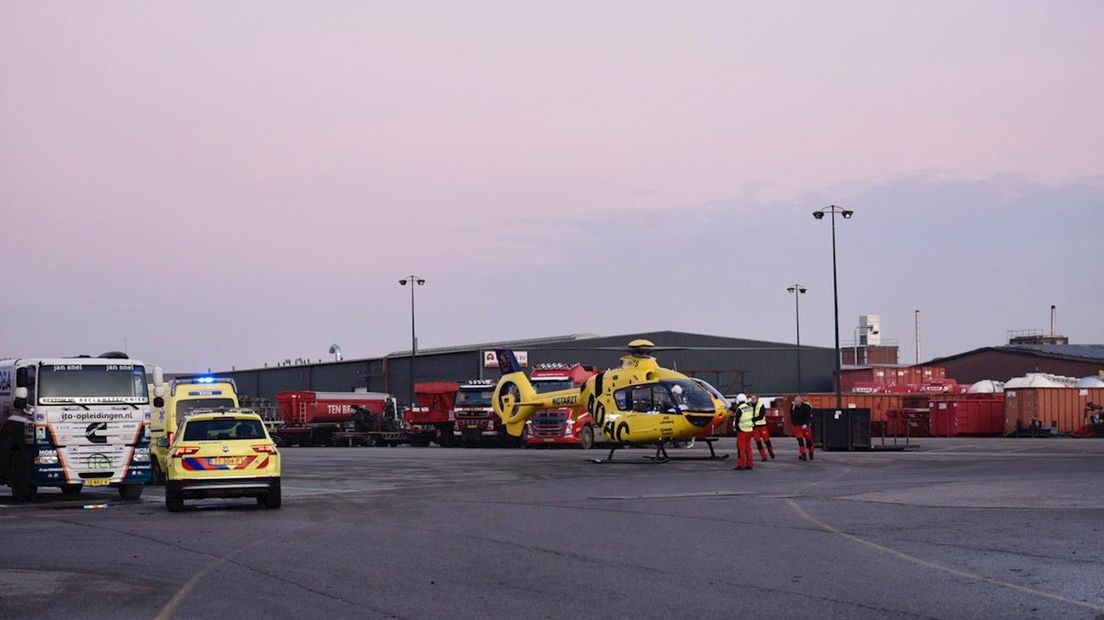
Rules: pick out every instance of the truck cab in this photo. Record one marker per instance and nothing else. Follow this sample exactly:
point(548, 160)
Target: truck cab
point(75, 422)
point(183, 398)
point(475, 419)
point(572, 427)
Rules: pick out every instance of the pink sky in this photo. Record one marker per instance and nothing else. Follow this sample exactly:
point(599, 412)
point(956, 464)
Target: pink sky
point(340, 145)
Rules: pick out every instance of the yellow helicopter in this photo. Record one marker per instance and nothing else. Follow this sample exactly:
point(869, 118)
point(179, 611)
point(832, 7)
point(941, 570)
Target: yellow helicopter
point(636, 404)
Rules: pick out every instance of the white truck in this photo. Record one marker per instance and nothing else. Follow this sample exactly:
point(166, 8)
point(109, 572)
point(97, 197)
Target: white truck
point(75, 422)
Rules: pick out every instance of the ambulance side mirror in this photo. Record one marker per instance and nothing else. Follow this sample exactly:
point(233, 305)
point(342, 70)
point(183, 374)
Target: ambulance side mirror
point(20, 401)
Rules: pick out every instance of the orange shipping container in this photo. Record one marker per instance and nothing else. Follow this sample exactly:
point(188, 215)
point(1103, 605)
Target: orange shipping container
point(1061, 408)
point(878, 404)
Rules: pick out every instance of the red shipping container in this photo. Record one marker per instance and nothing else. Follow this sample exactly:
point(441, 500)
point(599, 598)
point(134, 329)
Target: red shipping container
point(982, 414)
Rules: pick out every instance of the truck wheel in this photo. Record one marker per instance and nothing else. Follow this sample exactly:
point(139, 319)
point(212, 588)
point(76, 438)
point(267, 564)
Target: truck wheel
point(586, 438)
point(130, 491)
point(71, 489)
point(19, 474)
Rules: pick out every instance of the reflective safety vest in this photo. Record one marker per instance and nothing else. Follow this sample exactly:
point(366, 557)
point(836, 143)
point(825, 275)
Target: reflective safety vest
point(744, 416)
point(760, 417)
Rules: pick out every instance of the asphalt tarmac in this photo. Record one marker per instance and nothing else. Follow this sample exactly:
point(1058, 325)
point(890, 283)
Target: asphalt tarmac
point(961, 528)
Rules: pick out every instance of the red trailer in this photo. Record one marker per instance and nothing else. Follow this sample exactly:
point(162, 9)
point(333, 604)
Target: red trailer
point(312, 418)
point(433, 419)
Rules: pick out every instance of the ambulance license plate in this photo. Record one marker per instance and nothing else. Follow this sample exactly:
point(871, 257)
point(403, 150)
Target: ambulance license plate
point(97, 482)
point(226, 460)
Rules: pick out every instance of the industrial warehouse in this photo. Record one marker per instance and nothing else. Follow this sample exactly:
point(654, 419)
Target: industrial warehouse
point(733, 365)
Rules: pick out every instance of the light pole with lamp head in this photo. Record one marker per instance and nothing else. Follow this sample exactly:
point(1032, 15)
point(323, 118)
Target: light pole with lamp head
point(798, 290)
point(412, 280)
point(846, 214)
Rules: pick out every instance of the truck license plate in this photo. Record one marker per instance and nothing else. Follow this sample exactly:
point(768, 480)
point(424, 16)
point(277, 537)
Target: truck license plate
point(473, 426)
point(98, 482)
point(226, 460)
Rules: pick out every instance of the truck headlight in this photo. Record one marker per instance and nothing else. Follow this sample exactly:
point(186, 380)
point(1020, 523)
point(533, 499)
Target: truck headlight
point(141, 455)
point(46, 457)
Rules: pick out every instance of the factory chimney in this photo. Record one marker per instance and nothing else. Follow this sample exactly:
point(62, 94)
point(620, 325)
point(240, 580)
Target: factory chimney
point(1053, 318)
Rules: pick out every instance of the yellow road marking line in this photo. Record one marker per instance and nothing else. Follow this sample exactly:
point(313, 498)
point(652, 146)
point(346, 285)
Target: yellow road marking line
point(938, 567)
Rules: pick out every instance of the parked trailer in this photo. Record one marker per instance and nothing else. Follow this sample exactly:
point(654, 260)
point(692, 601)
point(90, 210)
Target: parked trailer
point(312, 418)
point(433, 420)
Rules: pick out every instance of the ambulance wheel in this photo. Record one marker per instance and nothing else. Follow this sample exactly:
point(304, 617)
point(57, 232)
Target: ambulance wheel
point(586, 438)
point(272, 499)
point(71, 489)
point(173, 501)
point(130, 491)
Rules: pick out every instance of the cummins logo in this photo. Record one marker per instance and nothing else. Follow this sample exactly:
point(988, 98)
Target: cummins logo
point(96, 432)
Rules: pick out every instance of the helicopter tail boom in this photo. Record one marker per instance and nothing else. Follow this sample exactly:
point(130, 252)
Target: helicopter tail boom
point(515, 399)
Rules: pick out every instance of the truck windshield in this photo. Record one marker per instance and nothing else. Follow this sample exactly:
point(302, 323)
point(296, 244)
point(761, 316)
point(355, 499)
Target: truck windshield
point(92, 383)
point(543, 386)
point(689, 396)
point(230, 428)
point(474, 398)
point(185, 408)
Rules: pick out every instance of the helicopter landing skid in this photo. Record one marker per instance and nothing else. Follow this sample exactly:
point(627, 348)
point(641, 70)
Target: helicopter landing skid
point(661, 456)
point(713, 456)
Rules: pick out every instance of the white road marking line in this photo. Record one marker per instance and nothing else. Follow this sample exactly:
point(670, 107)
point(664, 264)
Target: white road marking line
point(939, 567)
point(676, 495)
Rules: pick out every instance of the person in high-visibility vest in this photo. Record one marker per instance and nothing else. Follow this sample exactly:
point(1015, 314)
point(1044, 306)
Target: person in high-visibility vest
point(761, 434)
point(742, 421)
point(801, 417)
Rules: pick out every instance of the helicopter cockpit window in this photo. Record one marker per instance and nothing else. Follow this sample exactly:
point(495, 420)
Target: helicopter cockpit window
point(690, 396)
point(621, 397)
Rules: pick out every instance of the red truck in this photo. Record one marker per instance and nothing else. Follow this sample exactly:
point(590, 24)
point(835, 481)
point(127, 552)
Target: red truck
point(571, 427)
point(433, 420)
point(320, 418)
point(475, 422)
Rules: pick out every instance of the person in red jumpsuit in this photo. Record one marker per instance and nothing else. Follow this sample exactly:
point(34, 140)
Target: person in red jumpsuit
point(801, 417)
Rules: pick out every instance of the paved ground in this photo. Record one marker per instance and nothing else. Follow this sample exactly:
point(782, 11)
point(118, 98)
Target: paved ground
point(961, 529)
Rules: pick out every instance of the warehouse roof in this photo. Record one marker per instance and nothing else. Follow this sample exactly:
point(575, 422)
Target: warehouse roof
point(1072, 352)
point(661, 338)
point(490, 346)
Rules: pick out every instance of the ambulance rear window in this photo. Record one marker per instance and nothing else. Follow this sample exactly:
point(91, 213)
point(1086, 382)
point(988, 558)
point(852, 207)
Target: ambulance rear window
point(227, 428)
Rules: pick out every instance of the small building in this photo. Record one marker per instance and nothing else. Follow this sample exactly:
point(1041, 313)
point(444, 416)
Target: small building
point(1015, 360)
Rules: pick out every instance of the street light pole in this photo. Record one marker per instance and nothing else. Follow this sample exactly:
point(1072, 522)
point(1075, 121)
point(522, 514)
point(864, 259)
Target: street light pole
point(798, 290)
point(846, 213)
point(413, 280)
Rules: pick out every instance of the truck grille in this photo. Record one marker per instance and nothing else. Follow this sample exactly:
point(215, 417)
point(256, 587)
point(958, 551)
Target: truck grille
point(549, 424)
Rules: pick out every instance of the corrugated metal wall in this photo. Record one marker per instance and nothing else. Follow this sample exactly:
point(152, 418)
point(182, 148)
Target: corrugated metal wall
point(1063, 408)
point(772, 371)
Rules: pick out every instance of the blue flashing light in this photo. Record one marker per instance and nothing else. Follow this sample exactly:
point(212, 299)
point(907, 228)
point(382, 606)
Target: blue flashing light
point(205, 380)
